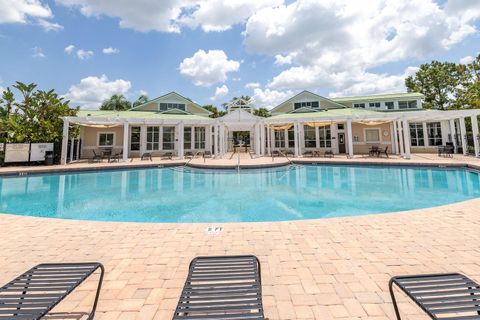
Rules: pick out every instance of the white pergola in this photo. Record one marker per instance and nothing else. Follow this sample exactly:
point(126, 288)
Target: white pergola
point(242, 120)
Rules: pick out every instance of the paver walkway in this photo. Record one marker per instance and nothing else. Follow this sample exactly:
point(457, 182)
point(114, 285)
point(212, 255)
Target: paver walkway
point(318, 269)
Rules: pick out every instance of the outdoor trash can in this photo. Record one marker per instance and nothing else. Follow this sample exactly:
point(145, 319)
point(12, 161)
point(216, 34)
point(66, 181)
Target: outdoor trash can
point(48, 158)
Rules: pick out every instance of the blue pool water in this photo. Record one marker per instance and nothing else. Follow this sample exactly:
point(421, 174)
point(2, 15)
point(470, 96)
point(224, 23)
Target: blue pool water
point(194, 195)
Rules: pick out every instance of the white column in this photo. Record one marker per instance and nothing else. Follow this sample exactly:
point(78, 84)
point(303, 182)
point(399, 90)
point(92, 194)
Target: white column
point(63, 158)
point(400, 138)
point(452, 134)
point(475, 136)
point(301, 138)
point(71, 149)
point(349, 138)
point(295, 134)
point(215, 138)
point(143, 139)
point(406, 138)
point(269, 140)
point(262, 139)
point(257, 139)
point(125, 142)
point(192, 138)
point(395, 138)
point(181, 136)
point(208, 138)
point(463, 136)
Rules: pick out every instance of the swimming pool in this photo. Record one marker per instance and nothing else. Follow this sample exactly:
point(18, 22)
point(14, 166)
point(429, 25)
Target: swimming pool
point(197, 195)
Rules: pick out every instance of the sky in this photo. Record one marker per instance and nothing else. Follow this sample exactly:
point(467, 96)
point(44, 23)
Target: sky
point(213, 50)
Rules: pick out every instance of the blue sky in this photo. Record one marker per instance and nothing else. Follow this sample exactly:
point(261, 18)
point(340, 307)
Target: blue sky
point(213, 50)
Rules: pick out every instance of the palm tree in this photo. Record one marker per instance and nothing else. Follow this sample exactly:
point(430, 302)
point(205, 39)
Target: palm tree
point(117, 102)
point(261, 112)
point(214, 110)
point(141, 100)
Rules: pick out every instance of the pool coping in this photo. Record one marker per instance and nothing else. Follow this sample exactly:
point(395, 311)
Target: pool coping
point(116, 167)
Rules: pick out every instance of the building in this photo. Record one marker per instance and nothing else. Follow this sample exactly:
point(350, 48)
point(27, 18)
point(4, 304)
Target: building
point(305, 122)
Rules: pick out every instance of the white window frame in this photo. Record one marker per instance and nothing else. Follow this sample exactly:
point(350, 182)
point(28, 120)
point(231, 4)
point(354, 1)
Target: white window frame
point(379, 135)
point(153, 142)
point(106, 132)
point(418, 127)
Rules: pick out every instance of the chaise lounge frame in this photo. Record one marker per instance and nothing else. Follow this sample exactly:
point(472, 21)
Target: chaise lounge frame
point(37, 291)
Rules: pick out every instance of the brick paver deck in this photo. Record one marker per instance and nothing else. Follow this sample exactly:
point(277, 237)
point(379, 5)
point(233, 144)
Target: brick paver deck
point(317, 269)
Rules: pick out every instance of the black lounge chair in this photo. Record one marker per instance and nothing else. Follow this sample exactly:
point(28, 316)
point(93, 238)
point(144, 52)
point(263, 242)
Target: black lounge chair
point(383, 152)
point(97, 157)
point(116, 157)
point(146, 156)
point(226, 287)
point(374, 151)
point(189, 155)
point(328, 154)
point(288, 152)
point(308, 153)
point(167, 156)
point(207, 154)
point(276, 153)
point(33, 294)
point(448, 296)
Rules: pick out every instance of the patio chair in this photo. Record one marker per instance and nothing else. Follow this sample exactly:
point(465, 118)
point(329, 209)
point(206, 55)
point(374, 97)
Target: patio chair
point(97, 157)
point(385, 152)
point(146, 156)
point(207, 154)
point(328, 154)
point(308, 153)
point(116, 157)
point(276, 153)
point(34, 293)
point(373, 151)
point(189, 155)
point(225, 287)
point(167, 156)
point(288, 152)
point(450, 296)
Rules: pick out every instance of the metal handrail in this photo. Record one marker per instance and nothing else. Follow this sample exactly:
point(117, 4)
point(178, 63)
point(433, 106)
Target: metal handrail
point(196, 153)
point(288, 159)
point(238, 161)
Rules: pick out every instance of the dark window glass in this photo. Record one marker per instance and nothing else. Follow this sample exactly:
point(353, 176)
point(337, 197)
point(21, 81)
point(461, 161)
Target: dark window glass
point(135, 139)
point(390, 105)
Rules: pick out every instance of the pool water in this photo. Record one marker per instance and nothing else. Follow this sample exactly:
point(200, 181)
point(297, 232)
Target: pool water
point(195, 195)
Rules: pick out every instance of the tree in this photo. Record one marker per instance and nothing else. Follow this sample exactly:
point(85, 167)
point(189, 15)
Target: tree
point(214, 110)
point(141, 100)
point(468, 90)
point(37, 117)
point(117, 102)
point(244, 100)
point(438, 81)
point(261, 112)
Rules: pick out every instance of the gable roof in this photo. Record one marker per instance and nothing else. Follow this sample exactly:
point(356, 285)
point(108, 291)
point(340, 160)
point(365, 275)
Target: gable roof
point(138, 115)
point(309, 92)
point(174, 93)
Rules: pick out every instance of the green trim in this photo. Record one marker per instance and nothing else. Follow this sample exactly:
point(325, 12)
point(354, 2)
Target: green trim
point(380, 97)
point(138, 115)
point(178, 94)
point(347, 112)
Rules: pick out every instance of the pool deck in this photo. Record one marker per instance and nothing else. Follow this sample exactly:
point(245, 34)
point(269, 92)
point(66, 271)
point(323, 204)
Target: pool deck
point(334, 268)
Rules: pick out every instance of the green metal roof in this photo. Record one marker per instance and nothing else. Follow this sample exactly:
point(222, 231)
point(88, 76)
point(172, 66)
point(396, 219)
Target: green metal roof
point(381, 96)
point(326, 114)
point(138, 115)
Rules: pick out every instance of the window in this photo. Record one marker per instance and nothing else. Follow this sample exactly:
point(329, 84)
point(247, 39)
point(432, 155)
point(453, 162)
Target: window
point(417, 138)
point(402, 104)
point(291, 138)
point(187, 138)
point(434, 130)
point(340, 126)
point(199, 137)
point(279, 138)
point(135, 139)
point(309, 104)
point(153, 138)
point(372, 135)
point(168, 106)
point(359, 105)
point(374, 104)
point(106, 139)
point(390, 105)
point(310, 137)
point(412, 104)
point(325, 137)
point(168, 138)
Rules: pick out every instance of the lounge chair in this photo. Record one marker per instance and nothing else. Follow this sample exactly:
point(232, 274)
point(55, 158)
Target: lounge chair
point(225, 287)
point(446, 151)
point(97, 157)
point(146, 156)
point(288, 152)
point(373, 151)
point(189, 155)
point(116, 157)
point(328, 154)
point(450, 296)
point(167, 156)
point(34, 293)
point(276, 153)
point(207, 154)
point(383, 152)
point(308, 153)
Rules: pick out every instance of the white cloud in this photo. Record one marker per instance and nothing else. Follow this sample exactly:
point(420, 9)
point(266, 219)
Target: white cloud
point(69, 49)
point(467, 60)
point(220, 92)
point(84, 54)
point(207, 68)
point(92, 91)
point(37, 53)
point(252, 85)
point(27, 11)
point(220, 15)
point(110, 50)
point(143, 93)
point(335, 43)
point(269, 98)
point(281, 60)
